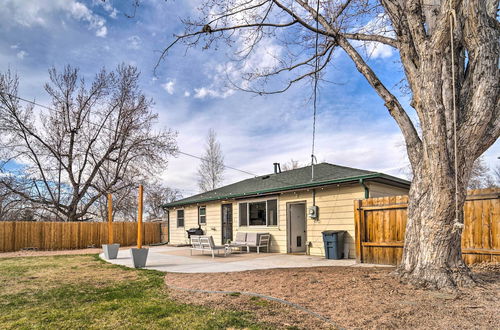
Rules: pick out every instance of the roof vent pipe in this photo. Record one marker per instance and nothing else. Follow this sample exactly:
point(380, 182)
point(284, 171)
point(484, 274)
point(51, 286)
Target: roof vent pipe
point(277, 168)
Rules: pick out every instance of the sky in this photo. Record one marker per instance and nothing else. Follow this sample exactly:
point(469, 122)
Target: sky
point(191, 93)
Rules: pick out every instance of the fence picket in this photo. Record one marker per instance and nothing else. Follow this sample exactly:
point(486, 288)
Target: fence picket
point(381, 222)
point(17, 235)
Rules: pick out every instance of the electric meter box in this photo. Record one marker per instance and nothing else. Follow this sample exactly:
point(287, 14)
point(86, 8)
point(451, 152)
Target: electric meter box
point(312, 211)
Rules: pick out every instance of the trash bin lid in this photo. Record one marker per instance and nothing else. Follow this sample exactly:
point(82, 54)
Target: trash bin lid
point(331, 232)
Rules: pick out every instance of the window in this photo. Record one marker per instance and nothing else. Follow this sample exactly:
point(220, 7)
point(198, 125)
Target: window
point(272, 212)
point(202, 215)
point(243, 214)
point(257, 214)
point(180, 218)
point(262, 213)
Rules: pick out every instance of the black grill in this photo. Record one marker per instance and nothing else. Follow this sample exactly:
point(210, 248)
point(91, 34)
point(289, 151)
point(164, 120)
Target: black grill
point(194, 231)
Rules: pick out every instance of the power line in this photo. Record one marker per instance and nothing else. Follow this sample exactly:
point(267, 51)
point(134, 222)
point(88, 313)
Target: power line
point(226, 166)
point(315, 91)
point(114, 131)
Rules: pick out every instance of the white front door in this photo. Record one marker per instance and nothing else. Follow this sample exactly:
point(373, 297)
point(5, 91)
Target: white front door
point(297, 228)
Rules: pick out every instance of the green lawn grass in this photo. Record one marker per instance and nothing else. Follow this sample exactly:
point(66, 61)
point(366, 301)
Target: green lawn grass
point(75, 292)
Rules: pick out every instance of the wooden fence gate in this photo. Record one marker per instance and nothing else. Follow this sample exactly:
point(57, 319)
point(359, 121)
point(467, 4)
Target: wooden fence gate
point(381, 222)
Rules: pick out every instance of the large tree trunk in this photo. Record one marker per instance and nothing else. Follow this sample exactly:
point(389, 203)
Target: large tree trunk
point(432, 254)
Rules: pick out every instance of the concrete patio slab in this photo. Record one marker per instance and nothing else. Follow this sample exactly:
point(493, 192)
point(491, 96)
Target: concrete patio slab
point(179, 260)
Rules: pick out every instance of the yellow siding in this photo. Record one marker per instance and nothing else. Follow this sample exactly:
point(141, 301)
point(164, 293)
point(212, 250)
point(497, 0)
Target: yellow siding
point(178, 235)
point(383, 190)
point(336, 212)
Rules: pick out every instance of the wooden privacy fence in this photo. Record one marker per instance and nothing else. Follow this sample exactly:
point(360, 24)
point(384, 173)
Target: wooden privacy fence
point(15, 235)
point(381, 222)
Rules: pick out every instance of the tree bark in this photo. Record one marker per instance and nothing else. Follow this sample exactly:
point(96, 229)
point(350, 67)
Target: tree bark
point(432, 254)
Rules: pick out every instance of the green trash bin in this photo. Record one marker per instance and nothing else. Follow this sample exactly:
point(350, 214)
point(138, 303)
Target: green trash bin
point(334, 243)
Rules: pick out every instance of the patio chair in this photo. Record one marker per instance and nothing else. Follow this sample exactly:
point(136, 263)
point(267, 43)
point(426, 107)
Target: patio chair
point(258, 240)
point(195, 243)
point(240, 241)
point(206, 243)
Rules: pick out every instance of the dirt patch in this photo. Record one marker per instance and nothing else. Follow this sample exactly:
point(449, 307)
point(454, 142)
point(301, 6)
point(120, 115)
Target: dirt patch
point(350, 297)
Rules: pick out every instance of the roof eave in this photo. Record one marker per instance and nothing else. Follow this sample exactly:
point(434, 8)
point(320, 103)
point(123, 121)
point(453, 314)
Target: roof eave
point(293, 187)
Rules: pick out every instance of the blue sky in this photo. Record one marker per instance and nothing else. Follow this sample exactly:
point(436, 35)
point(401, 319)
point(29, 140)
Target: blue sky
point(190, 93)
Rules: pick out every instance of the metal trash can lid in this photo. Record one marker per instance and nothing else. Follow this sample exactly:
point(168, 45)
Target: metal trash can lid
point(330, 232)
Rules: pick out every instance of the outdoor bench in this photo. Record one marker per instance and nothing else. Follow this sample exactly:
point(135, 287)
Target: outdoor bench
point(248, 240)
point(206, 243)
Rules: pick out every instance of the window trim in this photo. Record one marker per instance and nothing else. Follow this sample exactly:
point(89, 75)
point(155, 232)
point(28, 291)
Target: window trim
point(199, 215)
point(260, 200)
point(183, 218)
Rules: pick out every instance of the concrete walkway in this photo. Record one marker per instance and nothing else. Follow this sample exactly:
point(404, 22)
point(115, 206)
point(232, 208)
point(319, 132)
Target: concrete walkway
point(178, 260)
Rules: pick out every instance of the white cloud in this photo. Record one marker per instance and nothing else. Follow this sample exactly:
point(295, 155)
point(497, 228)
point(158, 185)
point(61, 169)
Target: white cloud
point(169, 87)
point(134, 42)
point(102, 32)
point(187, 93)
point(201, 93)
point(31, 13)
point(21, 54)
point(14, 46)
point(107, 6)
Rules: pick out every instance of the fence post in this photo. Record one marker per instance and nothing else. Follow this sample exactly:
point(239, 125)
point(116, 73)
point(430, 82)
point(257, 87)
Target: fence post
point(139, 219)
point(358, 229)
point(110, 219)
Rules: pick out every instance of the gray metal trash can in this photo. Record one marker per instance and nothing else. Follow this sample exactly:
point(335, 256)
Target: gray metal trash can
point(334, 243)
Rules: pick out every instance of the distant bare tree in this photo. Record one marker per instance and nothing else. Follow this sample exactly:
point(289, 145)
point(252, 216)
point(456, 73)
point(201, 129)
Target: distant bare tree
point(156, 195)
point(496, 174)
point(292, 164)
point(90, 139)
point(480, 177)
point(211, 170)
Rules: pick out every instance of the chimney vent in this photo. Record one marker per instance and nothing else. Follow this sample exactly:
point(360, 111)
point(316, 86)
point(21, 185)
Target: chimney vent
point(277, 168)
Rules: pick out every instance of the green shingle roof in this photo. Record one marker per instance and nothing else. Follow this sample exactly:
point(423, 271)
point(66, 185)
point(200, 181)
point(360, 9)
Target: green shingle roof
point(324, 173)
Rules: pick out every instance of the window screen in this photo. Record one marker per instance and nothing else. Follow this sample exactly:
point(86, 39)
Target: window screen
point(243, 214)
point(180, 218)
point(272, 212)
point(202, 215)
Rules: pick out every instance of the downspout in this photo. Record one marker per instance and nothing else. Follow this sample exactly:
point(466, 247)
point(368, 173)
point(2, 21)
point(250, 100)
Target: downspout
point(367, 190)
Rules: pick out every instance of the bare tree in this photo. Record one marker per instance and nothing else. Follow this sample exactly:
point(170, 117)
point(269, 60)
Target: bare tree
point(158, 194)
point(480, 176)
point(125, 202)
point(211, 170)
point(12, 207)
point(292, 164)
point(496, 174)
point(85, 144)
point(448, 51)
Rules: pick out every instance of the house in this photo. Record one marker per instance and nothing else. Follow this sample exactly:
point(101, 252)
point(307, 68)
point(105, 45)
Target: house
point(280, 204)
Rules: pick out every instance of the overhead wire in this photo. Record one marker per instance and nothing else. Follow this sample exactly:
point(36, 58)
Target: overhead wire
point(176, 151)
point(315, 91)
